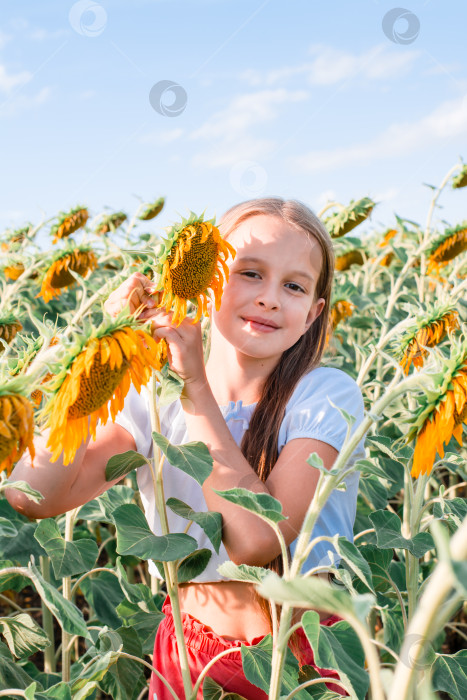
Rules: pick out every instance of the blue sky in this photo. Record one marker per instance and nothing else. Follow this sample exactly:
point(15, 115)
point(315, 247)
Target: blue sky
point(296, 98)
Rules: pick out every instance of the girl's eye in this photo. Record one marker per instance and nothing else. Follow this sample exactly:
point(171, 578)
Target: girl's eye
point(250, 273)
point(295, 287)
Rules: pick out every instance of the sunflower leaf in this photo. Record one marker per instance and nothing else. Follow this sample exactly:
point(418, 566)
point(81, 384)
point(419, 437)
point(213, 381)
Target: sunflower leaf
point(68, 558)
point(122, 464)
point(193, 565)
point(193, 458)
point(210, 521)
point(24, 487)
point(242, 572)
point(389, 536)
point(135, 537)
point(23, 635)
point(450, 674)
point(263, 505)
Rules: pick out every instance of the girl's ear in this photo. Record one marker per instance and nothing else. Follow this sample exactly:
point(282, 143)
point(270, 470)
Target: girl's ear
point(314, 312)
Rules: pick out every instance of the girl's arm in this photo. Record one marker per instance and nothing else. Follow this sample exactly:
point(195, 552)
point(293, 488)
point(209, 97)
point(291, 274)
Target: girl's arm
point(67, 487)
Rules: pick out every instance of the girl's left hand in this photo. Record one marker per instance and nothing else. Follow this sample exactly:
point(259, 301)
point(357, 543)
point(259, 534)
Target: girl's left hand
point(185, 344)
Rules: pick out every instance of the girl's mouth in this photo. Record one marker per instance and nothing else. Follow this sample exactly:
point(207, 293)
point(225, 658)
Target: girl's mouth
point(262, 325)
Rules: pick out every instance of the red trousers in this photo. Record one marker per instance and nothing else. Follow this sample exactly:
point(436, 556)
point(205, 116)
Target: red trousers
point(203, 644)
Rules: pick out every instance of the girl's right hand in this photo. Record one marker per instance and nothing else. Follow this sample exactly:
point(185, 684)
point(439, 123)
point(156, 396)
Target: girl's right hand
point(137, 292)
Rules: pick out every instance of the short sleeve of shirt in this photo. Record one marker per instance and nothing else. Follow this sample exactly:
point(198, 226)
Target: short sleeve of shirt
point(313, 410)
point(136, 419)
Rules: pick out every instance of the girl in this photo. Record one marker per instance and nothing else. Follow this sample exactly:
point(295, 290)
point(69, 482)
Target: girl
point(261, 404)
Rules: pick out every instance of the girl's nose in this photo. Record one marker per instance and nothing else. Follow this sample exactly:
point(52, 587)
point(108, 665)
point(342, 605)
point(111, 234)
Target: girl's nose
point(268, 298)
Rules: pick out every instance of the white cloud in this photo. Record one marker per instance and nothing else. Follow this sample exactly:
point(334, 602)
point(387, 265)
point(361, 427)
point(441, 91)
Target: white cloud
point(162, 137)
point(8, 81)
point(330, 66)
point(447, 121)
point(24, 103)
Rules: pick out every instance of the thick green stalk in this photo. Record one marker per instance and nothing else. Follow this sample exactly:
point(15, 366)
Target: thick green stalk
point(170, 570)
point(47, 621)
point(66, 592)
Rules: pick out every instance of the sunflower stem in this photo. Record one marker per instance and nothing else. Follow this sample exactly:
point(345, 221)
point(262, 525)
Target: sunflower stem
point(170, 568)
point(66, 592)
point(329, 205)
point(47, 621)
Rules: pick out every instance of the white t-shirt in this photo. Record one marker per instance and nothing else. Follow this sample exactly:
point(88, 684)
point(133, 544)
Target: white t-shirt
point(308, 413)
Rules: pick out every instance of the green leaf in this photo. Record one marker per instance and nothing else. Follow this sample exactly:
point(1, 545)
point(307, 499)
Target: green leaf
point(103, 593)
point(450, 674)
point(103, 507)
point(134, 592)
point(68, 558)
point(24, 487)
point(330, 654)
point(312, 592)
point(11, 582)
point(193, 565)
point(375, 492)
point(256, 662)
point(193, 458)
point(315, 461)
point(135, 537)
point(351, 555)
point(60, 691)
point(125, 679)
point(213, 691)
point(379, 561)
point(209, 521)
point(120, 465)
point(23, 635)
point(169, 386)
point(262, 504)
point(20, 547)
point(68, 616)
point(242, 572)
point(144, 623)
point(12, 675)
point(95, 671)
point(385, 444)
point(7, 528)
point(388, 533)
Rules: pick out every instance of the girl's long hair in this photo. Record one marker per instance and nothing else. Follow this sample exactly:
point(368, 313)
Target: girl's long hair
point(260, 442)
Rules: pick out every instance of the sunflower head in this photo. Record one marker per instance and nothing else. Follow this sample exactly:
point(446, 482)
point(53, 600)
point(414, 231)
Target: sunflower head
point(69, 222)
point(110, 222)
point(9, 327)
point(427, 330)
point(447, 247)
point(14, 239)
point(13, 268)
point(16, 423)
point(191, 263)
point(460, 180)
point(442, 411)
point(57, 276)
point(152, 210)
point(340, 310)
point(347, 218)
point(387, 236)
point(349, 252)
point(97, 373)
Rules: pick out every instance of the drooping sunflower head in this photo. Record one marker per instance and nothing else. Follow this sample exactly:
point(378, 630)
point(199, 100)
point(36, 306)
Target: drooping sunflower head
point(57, 276)
point(14, 239)
point(16, 423)
point(388, 236)
point(9, 327)
point(152, 210)
point(191, 264)
point(68, 223)
point(460, 180)
point(110, 222)
point(427, 330)
point(347, 218)
point(13, 267)
point(441, 412)
point(349, 252)
point(97, 373)
point(340, 310)
point(452, 243)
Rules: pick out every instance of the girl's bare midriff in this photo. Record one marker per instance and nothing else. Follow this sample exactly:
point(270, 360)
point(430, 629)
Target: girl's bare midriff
point(230, 608)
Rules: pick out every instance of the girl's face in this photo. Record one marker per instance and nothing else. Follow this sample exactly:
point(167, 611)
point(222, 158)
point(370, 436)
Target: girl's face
point(269, 301)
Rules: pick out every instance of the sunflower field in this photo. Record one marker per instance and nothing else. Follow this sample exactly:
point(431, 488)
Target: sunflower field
point(78, 608)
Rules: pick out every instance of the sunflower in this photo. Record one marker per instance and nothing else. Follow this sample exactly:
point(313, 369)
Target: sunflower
point(447, 247)
point(16, 238)
point(152, 210)
point(16, 424)
point(13, 270)
point(348, 252)
point(80, 260)
point(340, 310)
point(390, 233)
point(427, 331)
point(69, 222)
point(96, 376)
point(347, 218)
point(9, 327)
point(460, 180)
point(110, 223)
point(443, 412)
point(193, 262)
